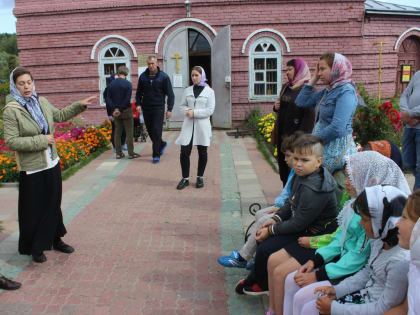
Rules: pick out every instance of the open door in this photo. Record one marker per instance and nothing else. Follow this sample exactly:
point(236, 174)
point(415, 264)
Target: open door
point(175, 64)
point(221, 78)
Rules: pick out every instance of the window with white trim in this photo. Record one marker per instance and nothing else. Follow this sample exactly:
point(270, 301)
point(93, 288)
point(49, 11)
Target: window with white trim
point(265, 59)
point(112, 56)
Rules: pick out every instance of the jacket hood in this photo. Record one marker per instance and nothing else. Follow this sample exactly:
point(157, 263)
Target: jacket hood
point(323, 183)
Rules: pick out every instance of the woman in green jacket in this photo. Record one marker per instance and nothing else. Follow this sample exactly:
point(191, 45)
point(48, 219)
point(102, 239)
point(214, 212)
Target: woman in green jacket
point(29, 131)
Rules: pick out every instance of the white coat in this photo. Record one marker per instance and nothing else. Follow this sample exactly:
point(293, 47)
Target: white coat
point(203, 107)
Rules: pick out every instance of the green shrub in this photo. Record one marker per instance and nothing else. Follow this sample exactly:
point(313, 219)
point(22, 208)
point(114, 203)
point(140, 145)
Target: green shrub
point(377, 120)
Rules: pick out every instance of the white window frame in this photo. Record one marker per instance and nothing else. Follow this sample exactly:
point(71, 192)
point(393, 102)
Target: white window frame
point(278, 54)
point(111, 60)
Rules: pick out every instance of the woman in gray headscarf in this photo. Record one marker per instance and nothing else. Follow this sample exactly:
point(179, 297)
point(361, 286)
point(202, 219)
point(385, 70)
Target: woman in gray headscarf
point(382, 283)
point(29, 131)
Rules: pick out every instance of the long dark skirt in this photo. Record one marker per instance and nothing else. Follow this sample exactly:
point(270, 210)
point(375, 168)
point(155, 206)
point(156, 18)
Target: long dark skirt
point(39, 210)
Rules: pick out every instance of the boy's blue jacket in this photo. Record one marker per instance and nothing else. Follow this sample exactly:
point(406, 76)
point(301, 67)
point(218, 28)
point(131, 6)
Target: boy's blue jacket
point(311, 207)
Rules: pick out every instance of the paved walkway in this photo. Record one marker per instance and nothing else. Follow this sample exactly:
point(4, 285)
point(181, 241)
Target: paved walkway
point(142, 247)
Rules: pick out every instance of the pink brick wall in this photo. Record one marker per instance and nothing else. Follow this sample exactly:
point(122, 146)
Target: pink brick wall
point(57, 44)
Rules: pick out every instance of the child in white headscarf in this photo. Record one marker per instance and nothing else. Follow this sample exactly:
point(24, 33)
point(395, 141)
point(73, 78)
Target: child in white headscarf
point(409, 238)
point(382, 283)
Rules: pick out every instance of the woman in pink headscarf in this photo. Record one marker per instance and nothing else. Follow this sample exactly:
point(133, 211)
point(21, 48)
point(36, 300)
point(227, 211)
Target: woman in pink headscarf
point(334, 107)
point(291, 118)
point(198, 103)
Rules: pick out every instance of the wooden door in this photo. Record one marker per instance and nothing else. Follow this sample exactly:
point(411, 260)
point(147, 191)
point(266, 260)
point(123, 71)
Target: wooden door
point(221, 78)
point(175, 64)
point(408, 55)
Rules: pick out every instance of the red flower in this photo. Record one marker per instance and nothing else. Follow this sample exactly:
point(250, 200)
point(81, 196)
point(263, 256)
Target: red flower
point(386, 106)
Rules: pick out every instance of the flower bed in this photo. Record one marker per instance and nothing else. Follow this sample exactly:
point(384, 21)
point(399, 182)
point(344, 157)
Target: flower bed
point(74, 144)
point(265, 127)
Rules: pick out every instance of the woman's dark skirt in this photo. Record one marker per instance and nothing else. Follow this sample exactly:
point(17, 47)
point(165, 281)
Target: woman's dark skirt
point(39, 210)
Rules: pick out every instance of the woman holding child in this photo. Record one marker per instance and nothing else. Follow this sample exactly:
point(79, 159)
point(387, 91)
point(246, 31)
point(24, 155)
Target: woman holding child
point(334, 107)
point(291, 118)
point(198, 104)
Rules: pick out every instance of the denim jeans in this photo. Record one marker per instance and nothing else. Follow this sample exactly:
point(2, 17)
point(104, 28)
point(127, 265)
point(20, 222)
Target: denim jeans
point(411, 153)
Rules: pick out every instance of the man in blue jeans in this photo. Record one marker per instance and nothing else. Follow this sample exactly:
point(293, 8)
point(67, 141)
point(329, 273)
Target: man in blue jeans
point(153, 87)
point(410, 115)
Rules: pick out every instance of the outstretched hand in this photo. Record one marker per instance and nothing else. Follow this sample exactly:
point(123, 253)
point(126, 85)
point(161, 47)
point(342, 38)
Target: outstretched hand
point(88, 101)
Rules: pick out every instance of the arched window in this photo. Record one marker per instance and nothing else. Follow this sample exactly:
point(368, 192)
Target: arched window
point(111, 57)
point(265, 69)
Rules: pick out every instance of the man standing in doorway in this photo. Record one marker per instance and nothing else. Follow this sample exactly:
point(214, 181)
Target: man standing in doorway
point(153, 87)
point(119, 96)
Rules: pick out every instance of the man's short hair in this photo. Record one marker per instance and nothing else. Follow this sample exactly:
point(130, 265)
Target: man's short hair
point(151, 57)
point(308, 145)
point(287, 143)
point(123, 70)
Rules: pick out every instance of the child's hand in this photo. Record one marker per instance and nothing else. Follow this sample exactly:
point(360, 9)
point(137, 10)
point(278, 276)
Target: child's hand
point(305, 241)
point(323, 304)
point(304, 279)
point(308, 267)
point(190, 113)
point(326, 290)
point(262, 235)
point(268, 223)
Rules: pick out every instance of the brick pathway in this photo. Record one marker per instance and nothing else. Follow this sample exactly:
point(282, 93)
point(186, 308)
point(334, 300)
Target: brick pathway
point(142, 247)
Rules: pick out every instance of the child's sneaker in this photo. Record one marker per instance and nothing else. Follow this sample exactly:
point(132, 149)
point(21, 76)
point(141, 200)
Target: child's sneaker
point(254, 290)
point(156, 160)
point(233, 260)
point(124, 147)
point(239, 288)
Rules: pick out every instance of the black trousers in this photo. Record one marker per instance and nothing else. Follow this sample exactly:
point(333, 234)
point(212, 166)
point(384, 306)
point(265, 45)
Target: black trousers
point(113, 135)
point(185, 159)
point(284, 169)
point(39, 210)
point(273, 244)
point(154, 123)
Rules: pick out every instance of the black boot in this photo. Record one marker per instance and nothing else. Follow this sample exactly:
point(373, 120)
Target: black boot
point(183, 183)
point(200, 183)
point(62, 247)
point(7, 284)
point(38, 256)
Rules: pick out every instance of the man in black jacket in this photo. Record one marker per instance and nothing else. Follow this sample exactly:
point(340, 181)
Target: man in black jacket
point(153, 87)
point(119, 96)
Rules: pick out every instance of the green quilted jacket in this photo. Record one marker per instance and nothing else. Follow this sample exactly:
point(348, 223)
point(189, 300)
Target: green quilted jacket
point(23, 135)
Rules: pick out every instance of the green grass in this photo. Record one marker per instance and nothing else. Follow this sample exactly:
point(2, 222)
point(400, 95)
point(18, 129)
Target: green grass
point(73, 169)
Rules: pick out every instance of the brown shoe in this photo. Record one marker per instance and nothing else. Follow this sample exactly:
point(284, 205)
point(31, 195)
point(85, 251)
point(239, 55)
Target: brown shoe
point(7, 284)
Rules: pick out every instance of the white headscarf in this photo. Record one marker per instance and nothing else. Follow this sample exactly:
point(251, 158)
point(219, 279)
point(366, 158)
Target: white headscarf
point(370, 168)
point(375, 198)
point(365, 169)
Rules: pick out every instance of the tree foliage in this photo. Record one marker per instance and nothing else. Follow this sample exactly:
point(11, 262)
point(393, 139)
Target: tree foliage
point(8, 55)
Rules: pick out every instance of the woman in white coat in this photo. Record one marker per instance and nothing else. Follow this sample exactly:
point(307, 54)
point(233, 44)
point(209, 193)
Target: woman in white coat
point(198, 104)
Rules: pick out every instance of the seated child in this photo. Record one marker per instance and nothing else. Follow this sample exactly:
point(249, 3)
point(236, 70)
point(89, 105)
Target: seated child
point(409, 238)
point(382, 283)
point(310, 210)
point(239, 258)
point(349, 245)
